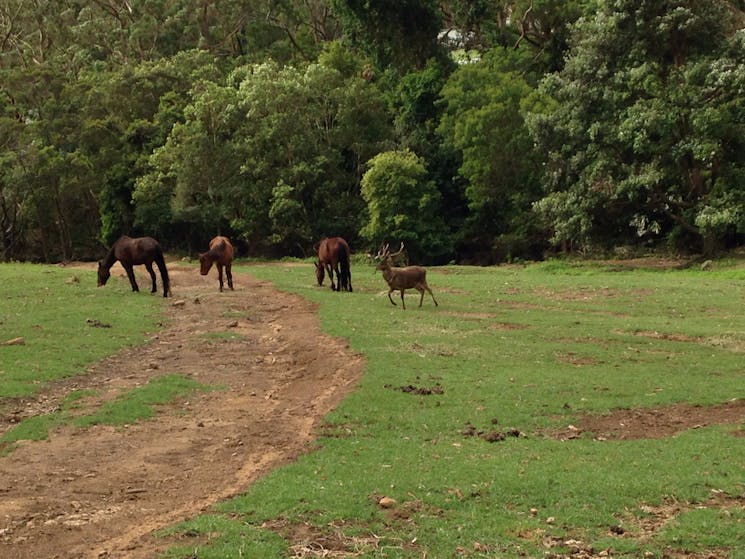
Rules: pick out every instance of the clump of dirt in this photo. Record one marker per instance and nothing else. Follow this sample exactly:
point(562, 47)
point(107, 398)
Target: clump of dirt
point(654, 423)
point(103, 491)
point(418, 390)
point(490, 435)
point(308, 540)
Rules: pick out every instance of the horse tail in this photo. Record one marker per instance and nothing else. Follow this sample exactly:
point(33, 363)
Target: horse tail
point(346, 275)
point(161, 262)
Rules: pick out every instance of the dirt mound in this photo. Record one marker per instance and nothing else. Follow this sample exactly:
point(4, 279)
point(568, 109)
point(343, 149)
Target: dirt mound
point(101, 492)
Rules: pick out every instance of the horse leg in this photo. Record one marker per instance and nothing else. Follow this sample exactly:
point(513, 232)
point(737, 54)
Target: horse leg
point(339, 278)
point(149, 267)
point(131, 275)
point(343, 281)
point(330, 271)
point(229, 273)
point(219, 275)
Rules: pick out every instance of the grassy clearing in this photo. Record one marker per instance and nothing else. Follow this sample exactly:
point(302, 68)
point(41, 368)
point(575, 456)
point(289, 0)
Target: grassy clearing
point(66, 323)
point(510, 349)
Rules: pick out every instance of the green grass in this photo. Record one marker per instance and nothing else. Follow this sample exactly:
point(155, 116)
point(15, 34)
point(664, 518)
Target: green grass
point(139, 403)
point(52, 309)
point(131, 406)
point(530, 348)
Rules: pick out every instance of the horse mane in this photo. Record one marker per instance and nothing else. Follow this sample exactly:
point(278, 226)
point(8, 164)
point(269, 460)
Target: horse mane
point(216, 251)
point(110, 258)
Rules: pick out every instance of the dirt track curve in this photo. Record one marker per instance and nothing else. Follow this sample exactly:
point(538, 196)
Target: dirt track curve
point(101, 492)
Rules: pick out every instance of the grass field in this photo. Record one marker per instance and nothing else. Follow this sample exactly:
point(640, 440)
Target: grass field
point(65, 322)
point(524, 351)
point(521, 352)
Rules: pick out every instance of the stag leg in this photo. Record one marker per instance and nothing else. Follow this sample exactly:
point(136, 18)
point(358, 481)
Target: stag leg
point(430, 292)
point(219, 275)
point(131, 275)
point(150, 271)
point(229, 273)
point(422, 287)
point(403, 304)
point(391, 298)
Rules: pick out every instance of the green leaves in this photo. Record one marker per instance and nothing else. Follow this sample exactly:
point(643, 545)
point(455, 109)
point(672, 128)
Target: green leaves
point(403, 205)
point(268, 154)
point(640, 126)
point(483, 121)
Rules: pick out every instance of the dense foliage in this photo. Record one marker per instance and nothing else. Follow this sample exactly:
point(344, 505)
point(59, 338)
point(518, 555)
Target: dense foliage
point(474, 130)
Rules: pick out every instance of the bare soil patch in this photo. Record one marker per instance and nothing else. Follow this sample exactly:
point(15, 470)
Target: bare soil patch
point(102, 492)
point(656, 423)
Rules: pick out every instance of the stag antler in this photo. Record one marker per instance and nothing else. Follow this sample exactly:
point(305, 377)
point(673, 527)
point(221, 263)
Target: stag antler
point(384, 252)
point(400, 250)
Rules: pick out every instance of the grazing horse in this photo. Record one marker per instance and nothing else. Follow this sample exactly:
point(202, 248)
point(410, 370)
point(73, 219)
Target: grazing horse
point(333, 256)
point(220, 253)
point(133, 252)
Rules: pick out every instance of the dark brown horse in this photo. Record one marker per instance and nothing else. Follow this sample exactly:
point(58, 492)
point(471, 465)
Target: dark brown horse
point(221, 254)
point(134, 252)
point(333, 256)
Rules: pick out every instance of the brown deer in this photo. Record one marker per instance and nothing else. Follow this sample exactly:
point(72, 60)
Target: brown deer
point(400, 279)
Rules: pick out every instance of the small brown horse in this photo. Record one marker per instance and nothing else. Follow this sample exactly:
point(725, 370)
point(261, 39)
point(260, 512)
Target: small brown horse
point(134, 252)
point(333, 256)
point(220, 253)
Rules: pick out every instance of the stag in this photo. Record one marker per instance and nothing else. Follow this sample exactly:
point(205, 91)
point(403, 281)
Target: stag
point(401, 279)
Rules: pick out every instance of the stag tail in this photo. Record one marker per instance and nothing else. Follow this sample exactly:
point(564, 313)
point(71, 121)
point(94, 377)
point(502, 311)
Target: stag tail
point(161, 262)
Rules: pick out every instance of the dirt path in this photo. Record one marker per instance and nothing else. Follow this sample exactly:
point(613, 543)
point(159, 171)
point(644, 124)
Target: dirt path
point(101, 492)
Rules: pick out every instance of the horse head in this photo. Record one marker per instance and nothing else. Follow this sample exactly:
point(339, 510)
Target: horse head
point(103, 274)
point(205, 263)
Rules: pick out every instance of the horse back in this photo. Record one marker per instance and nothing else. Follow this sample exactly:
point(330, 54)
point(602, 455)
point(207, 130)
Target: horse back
point(135, 251)
point(222, 249)
point(333, 249)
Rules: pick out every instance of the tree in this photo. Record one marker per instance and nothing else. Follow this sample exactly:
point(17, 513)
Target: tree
point(483, 105)
point(542, 27)
point(645, 140)
point(404, 205)
point(395, 33)
point(274, 153)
